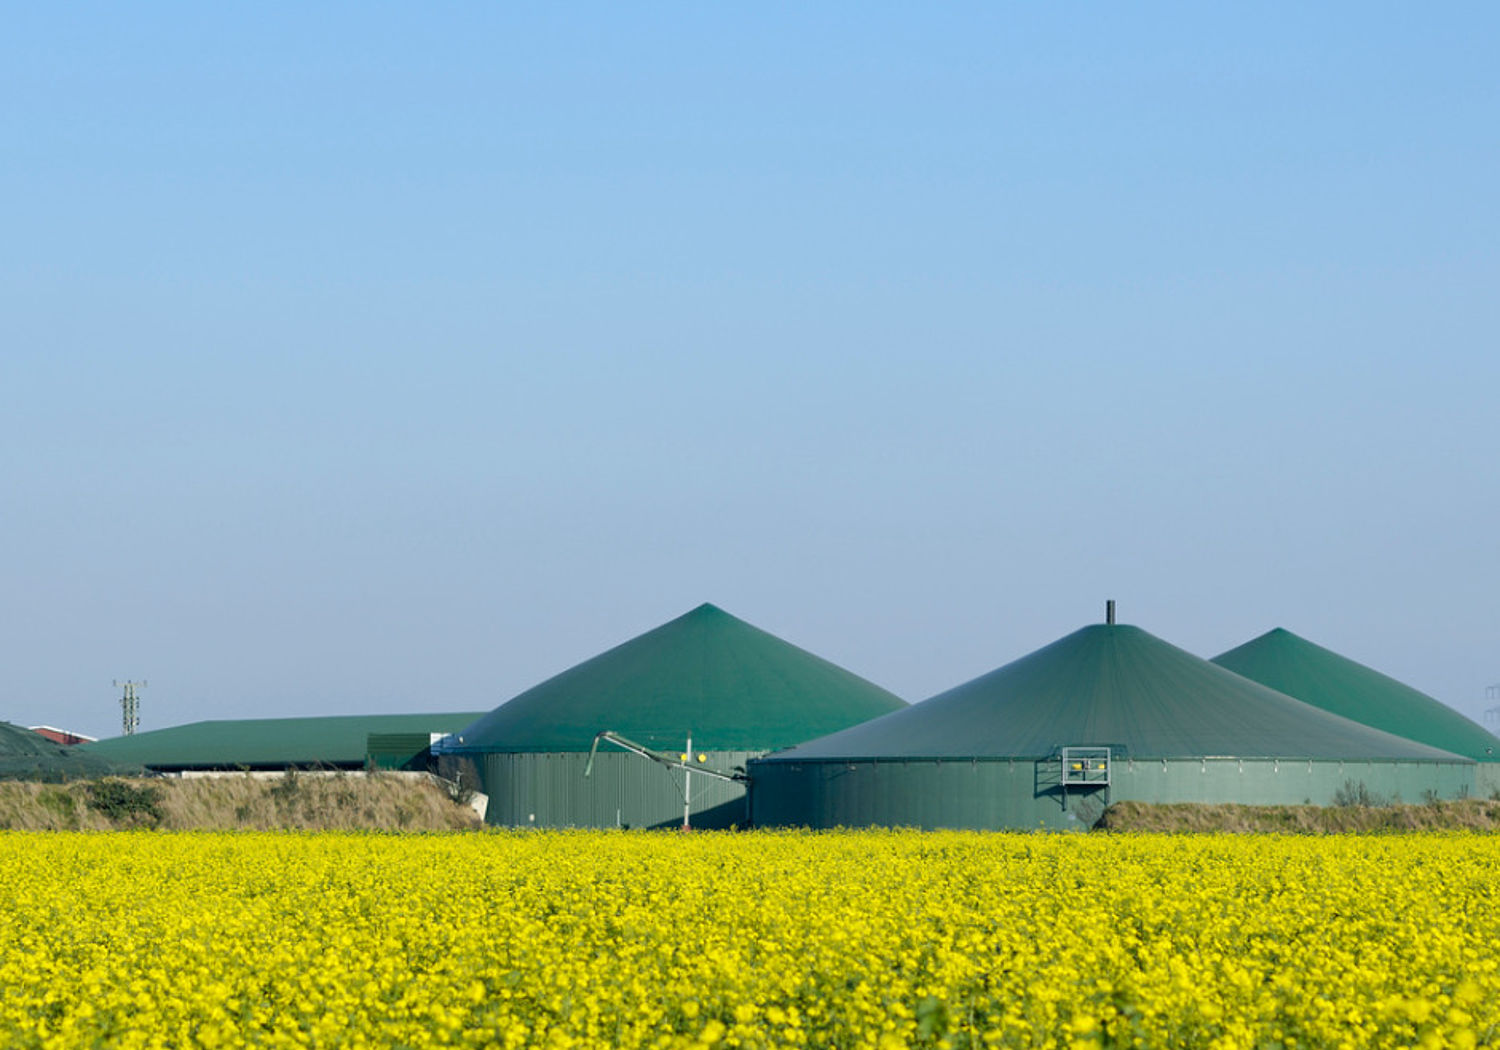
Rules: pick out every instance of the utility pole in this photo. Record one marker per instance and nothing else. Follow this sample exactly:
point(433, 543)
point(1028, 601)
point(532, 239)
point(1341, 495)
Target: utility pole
point(130, 706)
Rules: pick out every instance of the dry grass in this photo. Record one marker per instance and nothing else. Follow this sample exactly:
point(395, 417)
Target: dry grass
point(1465, 814)
point(355, 801)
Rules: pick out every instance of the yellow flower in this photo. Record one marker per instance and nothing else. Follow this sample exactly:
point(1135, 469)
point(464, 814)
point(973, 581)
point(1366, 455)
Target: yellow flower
point(758, 940)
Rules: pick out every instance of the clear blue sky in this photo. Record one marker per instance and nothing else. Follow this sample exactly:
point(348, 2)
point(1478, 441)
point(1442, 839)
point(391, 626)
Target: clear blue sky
point(397, 357)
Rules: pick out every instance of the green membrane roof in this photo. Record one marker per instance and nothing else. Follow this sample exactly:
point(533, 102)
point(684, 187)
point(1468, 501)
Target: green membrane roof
point(338, 740)
point(1116, 686)
point(16, 741)
point(25, 755)
point(728, 684)
point(1323, 678)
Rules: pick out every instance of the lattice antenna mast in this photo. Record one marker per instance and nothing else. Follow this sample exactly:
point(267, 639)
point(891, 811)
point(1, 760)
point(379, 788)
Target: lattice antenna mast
point(130, 706)
point(1492, 714)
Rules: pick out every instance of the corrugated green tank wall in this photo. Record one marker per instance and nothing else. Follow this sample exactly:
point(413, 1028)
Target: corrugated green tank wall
point(548, 790)
point(1487, 777)
point(1021, 793)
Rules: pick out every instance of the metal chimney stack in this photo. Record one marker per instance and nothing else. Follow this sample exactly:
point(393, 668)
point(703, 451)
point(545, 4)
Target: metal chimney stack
point(1109, 612)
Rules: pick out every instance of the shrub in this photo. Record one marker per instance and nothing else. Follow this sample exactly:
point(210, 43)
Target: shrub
point(1356, 794)
point(287, 791)
point(123, 803)
point(59, 802)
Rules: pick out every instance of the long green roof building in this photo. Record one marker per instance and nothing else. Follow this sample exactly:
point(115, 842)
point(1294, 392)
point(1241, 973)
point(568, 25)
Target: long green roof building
point(734, 689)
point(333, 742)
point(1109, 712)
point(1325, 679)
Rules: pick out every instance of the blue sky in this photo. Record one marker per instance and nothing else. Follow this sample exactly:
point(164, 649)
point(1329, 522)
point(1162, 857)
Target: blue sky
point(397, 357)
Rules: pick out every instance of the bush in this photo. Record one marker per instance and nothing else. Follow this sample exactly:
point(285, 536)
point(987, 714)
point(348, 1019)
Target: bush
point(123, 803)
point(59, 802)
point(1356, 794)
point(287, 790)
point(460, 779)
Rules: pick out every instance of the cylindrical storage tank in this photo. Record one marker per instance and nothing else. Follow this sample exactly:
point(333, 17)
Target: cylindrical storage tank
point(1106, 714)
point(734, 690)
point(548, 789)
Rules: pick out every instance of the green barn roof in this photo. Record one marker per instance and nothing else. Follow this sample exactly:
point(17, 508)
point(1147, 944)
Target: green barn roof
point(1117, 686)
point(25, 755)
point(260, 743)
point(1323, 678)
point(731, 685)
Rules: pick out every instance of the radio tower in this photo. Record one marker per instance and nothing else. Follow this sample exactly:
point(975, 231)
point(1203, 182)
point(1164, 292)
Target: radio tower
point(130, 706)
point(1492, 714)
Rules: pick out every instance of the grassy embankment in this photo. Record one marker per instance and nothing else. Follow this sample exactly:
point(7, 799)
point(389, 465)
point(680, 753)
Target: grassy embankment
point(383, 802)
point(304, 802)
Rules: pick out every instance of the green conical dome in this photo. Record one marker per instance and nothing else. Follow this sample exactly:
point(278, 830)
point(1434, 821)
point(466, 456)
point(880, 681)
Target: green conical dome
point(16, 742)
point(1115, 686)
point(1323, 678)
point(731, 685)
point(25, 755)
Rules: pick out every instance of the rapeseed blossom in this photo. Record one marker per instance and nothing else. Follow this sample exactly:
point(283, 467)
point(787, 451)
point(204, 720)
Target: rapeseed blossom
point(768, 939)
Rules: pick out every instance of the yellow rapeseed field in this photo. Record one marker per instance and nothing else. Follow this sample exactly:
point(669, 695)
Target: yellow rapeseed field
point(748, 940)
